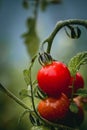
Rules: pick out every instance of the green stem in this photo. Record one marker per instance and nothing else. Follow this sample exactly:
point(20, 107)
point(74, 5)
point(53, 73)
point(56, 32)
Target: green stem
point(73, 89)
point(60, 25)
point(32, 96)
point(36, 9)
point(12, 96)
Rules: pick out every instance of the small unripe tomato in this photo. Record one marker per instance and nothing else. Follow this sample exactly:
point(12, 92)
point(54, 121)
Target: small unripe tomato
point(53, 109)
point(53, 79)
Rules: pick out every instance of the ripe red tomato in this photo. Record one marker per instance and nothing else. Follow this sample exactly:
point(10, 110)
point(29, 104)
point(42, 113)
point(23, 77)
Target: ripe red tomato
point(54, 78)
point(78, 82)
point(73, 119)
point(53, 109)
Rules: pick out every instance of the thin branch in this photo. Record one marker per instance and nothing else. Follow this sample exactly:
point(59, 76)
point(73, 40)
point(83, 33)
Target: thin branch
point(12, 96)
point(59, 26)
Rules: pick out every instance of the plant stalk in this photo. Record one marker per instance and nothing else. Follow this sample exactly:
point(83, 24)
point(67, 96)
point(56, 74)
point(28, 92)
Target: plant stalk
point(59, 26)
point(12, 96)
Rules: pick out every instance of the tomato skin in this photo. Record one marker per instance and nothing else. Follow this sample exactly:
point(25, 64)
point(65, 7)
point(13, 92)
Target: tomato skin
point(54, 78)
point(78, 83)
point(53, 109)
point(73, 119)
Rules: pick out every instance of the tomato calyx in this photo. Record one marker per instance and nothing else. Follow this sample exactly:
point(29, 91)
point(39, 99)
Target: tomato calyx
point(45, 59)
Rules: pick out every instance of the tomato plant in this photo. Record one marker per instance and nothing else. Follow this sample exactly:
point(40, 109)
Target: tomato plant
point(54, 78)
point(54, 109)
point(55, 87)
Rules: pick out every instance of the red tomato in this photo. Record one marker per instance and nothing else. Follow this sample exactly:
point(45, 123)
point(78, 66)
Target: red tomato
point(54, 78)
point(53, 109)
point(78, 82)
point(73, 119)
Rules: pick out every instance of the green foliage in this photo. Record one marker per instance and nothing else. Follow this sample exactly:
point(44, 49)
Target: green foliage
point(73, 107)
point(22, 115)
point(76, 62)
point(81, 92)
point(25, 4)
point(27, 72)
point(45, 3)
point(24, 93)
point(31, 38)
point(26, 76)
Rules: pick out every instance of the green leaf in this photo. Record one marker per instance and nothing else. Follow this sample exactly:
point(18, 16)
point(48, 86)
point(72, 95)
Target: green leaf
point(24, 93)
point(44, 5)
point(22, 115)
point(81, 92)
point(76, 62)
point(25, 4)
point(73, 107)
point(26, 74)
point(31, 38)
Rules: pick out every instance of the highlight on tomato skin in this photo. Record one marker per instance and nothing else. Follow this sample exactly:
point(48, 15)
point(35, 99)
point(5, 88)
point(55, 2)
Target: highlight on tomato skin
point(53, 109)
point(54, 79)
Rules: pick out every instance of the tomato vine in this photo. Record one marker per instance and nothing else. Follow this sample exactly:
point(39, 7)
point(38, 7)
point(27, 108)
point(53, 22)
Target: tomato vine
point(73, 65)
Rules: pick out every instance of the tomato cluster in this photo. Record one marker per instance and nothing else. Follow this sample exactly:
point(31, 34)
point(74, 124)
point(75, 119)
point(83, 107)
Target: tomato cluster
point(55, 80)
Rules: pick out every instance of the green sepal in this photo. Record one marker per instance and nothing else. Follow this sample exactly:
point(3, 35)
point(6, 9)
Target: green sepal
point(26, 76)
point(73, 107)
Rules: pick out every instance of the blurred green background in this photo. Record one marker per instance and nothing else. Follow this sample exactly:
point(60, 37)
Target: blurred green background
point(22, 28)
